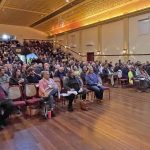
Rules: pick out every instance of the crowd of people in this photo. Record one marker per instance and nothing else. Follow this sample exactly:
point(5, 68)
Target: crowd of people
point(75, 76)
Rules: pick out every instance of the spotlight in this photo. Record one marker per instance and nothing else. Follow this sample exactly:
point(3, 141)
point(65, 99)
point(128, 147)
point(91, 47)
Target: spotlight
point(5, 37)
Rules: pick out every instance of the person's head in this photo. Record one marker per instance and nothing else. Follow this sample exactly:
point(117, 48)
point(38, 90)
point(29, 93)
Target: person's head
point(93, 64)
point(5, 68)
point(46, 66)
point(61, 69)
point(16, 73)
point(71, 73)
point(40, 65)
point(75, 68)
point(85, 69)
point(45, 75)
point(30, 71)
point(24, 66)
point(2, 70)
point(91, 70)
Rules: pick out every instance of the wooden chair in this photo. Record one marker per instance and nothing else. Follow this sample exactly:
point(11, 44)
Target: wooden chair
point(107, 89)
point(123, 82)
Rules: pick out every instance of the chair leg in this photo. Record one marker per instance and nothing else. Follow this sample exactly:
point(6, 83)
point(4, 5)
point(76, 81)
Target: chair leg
point(30, 111)
point(109, 93)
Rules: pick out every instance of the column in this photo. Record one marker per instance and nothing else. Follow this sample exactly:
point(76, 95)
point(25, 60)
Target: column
point(126, 39)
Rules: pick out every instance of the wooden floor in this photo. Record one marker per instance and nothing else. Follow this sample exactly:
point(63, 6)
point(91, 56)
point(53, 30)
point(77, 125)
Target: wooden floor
point(123, 123)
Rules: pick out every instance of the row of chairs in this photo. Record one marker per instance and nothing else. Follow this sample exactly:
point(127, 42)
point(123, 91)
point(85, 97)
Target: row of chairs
point(22, 98)
point(29, 96)
point(90, 94)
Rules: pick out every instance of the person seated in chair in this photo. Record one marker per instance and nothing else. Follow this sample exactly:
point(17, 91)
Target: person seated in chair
point(144, 79)
point(32, 76)
point(17, 79)
point(83, 74)
point(3, 77)
point(125, 71)
point(93, 83)
point(6, 108)
point(73, 83)
point(48, 89)
point(105, 73)
point(60, 73)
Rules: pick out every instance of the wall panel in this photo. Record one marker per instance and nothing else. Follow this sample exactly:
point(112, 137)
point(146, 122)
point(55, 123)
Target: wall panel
point(139, 43)
point(112, 40)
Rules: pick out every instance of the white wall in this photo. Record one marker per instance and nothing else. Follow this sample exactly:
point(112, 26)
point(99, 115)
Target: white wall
point(22, 32)
point(89, 36)
point(74, 41)
point(139, 43)
point(61, 39)
point(112, 40)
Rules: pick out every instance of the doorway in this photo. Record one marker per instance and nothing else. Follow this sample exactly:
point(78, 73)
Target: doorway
point(90, 56)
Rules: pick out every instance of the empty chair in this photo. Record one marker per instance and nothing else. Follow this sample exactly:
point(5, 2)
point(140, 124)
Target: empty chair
point(30, 94)
point(15, 94)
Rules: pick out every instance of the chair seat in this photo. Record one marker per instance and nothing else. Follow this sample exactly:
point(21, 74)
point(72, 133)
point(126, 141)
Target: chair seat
point(123, 79)
point(19, 103)
point(106, 88)
point(33, 100)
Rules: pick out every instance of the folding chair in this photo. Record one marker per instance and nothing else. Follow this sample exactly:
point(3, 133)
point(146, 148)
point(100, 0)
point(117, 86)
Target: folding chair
point(106, 89)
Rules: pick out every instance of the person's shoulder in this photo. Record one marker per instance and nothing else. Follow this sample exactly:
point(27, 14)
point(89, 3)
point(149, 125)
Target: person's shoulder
point(6, 75)
point(41, 81)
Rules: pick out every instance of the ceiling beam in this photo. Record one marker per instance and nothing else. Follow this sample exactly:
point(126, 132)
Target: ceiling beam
point(57, 12)
point(30, 11)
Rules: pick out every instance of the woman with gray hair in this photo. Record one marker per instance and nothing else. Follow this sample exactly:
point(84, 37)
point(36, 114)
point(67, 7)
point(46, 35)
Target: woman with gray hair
point(48, 89)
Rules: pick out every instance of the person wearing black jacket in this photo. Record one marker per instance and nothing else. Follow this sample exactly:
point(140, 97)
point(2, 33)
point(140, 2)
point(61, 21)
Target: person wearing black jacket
point(6, 108)
point(17, 79)
point(73, 83)
point(32, 76)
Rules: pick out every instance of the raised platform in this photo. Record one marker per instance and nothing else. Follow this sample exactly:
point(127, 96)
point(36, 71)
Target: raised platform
point(123, 123)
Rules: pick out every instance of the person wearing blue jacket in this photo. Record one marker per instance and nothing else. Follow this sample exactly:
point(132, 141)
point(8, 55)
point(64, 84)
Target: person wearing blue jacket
point(93, 83)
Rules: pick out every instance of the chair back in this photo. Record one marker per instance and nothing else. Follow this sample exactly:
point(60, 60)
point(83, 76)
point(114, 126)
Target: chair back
point(14, 92)
point(58, 82)
point(30, 90)
point(56, 79)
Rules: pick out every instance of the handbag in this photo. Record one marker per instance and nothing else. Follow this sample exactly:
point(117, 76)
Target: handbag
point(84, 105)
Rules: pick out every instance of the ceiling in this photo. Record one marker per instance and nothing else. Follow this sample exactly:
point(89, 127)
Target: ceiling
point(26, 12)
point(56, 16)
